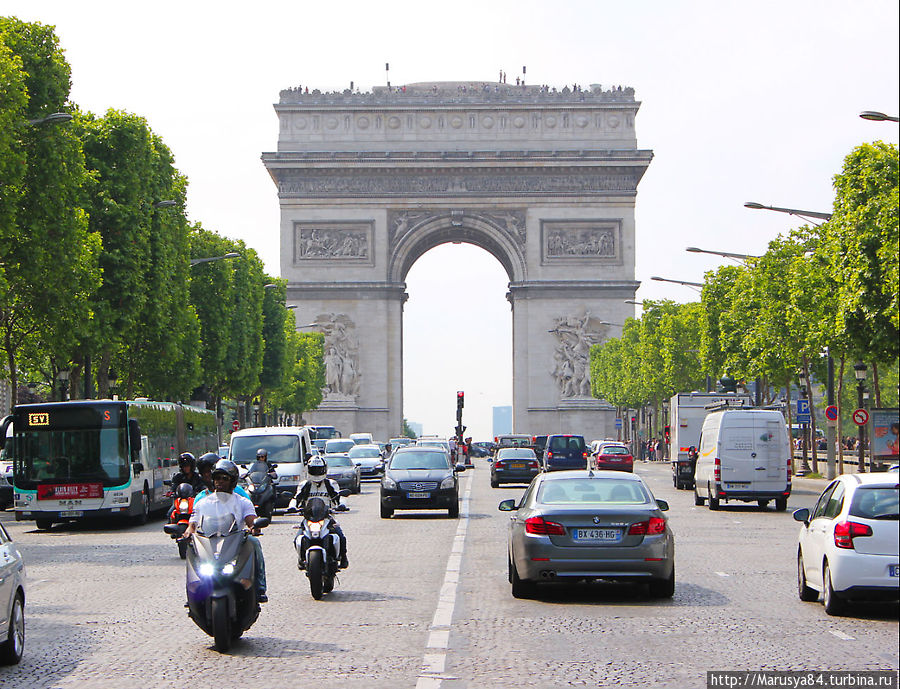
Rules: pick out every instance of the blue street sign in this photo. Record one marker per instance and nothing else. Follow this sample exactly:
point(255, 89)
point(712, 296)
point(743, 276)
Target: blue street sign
point(803, 415)
point(618, 423)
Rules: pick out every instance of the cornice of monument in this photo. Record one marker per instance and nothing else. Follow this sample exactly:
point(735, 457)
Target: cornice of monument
point(441, 94)
point(625, 155)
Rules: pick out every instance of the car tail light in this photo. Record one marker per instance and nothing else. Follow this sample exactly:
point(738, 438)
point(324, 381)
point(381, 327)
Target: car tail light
point(651, 527)
point(717, 471)
point(534, 464)
point(549, 454)
point(789, 468)
point(584, 455)
point(845, 532)
point(541, 527)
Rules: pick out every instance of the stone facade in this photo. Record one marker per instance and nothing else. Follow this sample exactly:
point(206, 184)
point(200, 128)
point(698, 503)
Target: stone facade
point(545, 180)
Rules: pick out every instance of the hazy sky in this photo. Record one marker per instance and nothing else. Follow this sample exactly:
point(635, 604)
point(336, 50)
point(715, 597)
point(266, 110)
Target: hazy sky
point(741, 101)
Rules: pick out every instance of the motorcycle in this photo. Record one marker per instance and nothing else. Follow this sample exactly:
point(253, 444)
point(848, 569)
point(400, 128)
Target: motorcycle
point(182, 505)
point(318, 546)
point(260, 486)
point(221, 585)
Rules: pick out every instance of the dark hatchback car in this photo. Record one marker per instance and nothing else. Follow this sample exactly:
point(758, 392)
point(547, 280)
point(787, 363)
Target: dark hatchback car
point(420, 478)
point(514, 465)
point(565, 452)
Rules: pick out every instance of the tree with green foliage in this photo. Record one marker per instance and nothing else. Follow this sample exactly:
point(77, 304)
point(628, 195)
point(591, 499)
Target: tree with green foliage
point(302, 387)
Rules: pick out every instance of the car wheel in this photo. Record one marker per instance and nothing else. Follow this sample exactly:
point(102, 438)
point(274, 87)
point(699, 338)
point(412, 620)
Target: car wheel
point(697, 499)
point(453, 510)
point(713, 501)
point(12, 649)
point(358, 488)
point(763, 504)
point(675, 483)
point(805, 593)
point(494, 483)
point(521, 588)
point(386, 512)
point(833, 604)
point(663, 588)
point(780, 504)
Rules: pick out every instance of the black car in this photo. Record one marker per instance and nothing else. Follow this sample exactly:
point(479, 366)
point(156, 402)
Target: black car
point(514, 465)
point(420, 478)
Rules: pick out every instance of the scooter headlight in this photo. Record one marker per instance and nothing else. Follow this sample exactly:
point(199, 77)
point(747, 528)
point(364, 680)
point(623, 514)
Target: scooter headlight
point(250, 488)
point(206, 569)
point(228, 569)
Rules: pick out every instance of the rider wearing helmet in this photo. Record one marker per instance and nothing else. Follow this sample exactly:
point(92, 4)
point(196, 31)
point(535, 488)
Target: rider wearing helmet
point(319, 485)
point(262, 455)
point(205, 466)
point(187, 473)
point(225, 478)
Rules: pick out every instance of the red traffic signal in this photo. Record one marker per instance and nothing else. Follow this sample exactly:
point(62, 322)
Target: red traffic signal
point(460, 399)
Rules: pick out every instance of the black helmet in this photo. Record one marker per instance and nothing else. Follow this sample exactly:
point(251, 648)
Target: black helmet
point(207, 461)
point(224, 466)
point(186, 458)
point(262, 453)
point(184, 490)
point(316, 468)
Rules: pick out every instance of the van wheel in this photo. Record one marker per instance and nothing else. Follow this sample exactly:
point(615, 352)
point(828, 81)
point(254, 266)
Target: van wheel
point(713, 501)
point(43, 524)
point(780, 504)
point(697, 499)
point(763, 504)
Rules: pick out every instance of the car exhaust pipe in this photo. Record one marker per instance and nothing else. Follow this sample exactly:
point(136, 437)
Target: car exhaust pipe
point(548, 574)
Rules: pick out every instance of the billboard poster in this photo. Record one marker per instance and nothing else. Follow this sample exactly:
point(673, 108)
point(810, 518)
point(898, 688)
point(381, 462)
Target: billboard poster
point(885, 433)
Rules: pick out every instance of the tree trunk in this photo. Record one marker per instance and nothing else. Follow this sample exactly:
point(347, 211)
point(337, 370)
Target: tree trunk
point(840, 422)
point(877, 385)
point(790, 435)
point(813, 440)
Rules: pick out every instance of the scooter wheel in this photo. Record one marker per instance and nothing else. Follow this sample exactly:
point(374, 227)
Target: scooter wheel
point(182, 549)
point(221, 624)
point(314, 567)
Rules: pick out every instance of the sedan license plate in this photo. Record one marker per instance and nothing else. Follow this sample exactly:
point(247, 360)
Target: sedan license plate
point(894, 570)
point(418, 495)
point(736, 486)
point(517, 465)
point(72, 513)
point(598, 535)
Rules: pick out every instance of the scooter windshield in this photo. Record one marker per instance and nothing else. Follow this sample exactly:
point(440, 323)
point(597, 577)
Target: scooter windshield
point(315, 510)
point(217, 518)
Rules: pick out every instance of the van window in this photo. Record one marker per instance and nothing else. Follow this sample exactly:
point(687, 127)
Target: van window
point(281, 448)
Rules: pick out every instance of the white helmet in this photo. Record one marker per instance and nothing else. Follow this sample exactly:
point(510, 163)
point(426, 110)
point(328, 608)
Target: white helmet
point(316, 469)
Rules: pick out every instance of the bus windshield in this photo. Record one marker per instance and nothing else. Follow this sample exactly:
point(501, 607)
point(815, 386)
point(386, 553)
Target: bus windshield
point(74, 445)
point(323, 432)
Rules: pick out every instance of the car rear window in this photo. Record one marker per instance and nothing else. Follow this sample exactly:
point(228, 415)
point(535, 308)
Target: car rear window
point(338, 445)
point(364, 452)
point(516, 453)
point(876, 502)
point(339, 461)
point(558, 443)
point(614, 450)
point(592, 491)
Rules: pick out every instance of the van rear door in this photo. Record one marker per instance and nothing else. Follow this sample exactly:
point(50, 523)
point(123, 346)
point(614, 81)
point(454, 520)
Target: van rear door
point(770, 449)
point(737, 453)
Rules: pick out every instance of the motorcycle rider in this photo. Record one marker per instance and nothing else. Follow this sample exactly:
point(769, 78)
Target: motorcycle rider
point(225, 478)
point(262, 455)
point(187, 473)
point(205, 466)
point(319, 485)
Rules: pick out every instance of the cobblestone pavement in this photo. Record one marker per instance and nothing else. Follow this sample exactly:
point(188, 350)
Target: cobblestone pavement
point(426, 604)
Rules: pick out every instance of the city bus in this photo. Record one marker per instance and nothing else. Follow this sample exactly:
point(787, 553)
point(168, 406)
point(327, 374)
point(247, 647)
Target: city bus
point(100, 458)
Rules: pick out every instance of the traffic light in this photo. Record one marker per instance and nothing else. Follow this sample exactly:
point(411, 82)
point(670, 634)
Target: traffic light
point(460, 399)
point(668, 434)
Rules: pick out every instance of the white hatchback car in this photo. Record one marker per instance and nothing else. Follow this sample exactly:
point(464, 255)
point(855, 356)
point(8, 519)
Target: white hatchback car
point(12, 600)
point(849, 542)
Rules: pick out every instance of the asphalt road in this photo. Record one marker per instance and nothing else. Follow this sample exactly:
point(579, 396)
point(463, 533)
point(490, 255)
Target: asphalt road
point(426, 603)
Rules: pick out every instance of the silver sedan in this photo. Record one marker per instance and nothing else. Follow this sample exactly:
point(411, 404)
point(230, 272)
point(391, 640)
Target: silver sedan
point(589, 525)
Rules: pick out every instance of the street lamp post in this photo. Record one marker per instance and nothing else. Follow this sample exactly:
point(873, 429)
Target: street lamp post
point(859, 370)
point(53, 117)
point(742, 258)
point(198, 261)
point(63, 377)
point(677, 282)
point(878, 116)
point(790, 211)
point(256, 412)
point(666, 436)
point(804, 462)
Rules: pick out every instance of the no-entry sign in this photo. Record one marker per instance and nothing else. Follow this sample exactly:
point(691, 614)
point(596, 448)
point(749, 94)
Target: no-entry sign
point(235, 425)
point(860, 417)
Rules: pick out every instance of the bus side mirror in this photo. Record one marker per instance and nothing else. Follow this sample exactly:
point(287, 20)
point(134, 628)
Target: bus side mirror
point(3, 427)
point(134, 437)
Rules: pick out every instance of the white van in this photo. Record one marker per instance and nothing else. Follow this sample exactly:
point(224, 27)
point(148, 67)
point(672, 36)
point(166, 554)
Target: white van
point(288, 446)
point(744, 455)
point(362, 438)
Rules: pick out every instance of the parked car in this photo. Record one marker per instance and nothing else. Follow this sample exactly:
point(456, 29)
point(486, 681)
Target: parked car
point(369, 460)
point(849, 543)
point(565, 451)
point(514, 465)
point(420, 478)
point(613, 457)
point(12, 599)
point(343, 470)
point(591, 525)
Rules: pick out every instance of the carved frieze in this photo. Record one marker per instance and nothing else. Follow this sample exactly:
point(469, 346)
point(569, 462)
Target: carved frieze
point(341, 356)
point(333, 241)
point(581, 240)
point(511, 222)
point(302, 183)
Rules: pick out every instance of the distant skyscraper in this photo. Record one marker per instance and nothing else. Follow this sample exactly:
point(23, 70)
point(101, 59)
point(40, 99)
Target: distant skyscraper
point(502, 420)
point(415, 427)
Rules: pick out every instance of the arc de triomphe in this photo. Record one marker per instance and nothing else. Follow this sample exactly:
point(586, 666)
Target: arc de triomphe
point(543, 179)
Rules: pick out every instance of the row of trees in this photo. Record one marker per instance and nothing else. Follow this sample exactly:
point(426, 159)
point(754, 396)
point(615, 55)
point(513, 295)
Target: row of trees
point(95, 258)
point(834, 286)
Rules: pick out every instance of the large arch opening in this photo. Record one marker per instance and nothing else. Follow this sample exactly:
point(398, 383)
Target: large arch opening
point(457, 335)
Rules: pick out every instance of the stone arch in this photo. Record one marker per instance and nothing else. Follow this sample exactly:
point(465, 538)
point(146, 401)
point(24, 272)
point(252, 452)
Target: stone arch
point(421, 234)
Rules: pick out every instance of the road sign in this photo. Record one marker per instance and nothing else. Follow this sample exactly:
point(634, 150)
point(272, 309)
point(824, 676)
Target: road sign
point(803, 411)
point(618, 423)
point(831, 412)
point(235, 425)
point(860, 417)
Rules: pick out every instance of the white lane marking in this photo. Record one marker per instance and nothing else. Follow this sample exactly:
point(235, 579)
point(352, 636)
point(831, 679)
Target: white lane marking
point(722, 574)
point(433, 664)
point(841, 635)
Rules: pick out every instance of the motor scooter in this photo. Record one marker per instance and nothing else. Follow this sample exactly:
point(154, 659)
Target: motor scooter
point(318, 545)
point(260, 486)
point(182, 506)
point(221, 582)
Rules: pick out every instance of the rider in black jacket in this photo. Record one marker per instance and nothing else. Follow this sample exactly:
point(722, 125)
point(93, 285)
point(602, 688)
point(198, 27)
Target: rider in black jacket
point(187, 473)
